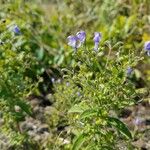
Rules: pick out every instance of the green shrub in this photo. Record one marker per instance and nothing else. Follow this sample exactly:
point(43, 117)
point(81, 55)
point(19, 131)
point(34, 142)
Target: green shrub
point(93, 91)
point(95, 85)
point(16, 64)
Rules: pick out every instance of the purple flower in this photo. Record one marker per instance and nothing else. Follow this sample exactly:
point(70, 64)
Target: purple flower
point(137, 121)
point(76, 41)
point(97, 38)
point(147, 47)
point(73, 42)
point(81, 35)
point(16, 30)
point(129, 70)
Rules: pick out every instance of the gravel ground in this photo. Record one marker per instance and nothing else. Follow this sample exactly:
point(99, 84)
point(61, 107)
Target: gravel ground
point(136, 117)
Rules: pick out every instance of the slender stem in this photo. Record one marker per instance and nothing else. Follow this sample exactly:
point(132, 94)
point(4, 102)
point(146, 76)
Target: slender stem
point(110, 49)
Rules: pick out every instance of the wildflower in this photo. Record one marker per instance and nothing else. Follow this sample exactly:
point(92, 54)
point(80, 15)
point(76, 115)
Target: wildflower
point(137, 121)
point(129, 70)
point(76, 41)
point(81, 35)
point(147, 47)
point(16, 30)
point(97, 38)
point(73, 42)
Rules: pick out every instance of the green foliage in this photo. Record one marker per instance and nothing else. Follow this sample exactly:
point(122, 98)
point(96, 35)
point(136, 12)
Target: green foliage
point(125, 25)
point(78, 142)
point(98, 87)
point(36, 30)
point(98, 84)
point(120, 126)
point(16, 63)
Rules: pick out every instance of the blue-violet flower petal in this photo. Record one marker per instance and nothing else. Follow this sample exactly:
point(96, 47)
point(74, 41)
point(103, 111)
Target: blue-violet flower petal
point(81, 35)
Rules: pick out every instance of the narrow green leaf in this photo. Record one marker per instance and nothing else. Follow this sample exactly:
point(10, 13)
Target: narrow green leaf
point(119, 125)
point(24, 106)
point(88, 113)
point(78, 142)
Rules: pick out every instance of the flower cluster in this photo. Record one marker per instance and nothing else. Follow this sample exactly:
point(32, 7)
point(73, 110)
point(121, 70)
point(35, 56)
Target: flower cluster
point(76, 41)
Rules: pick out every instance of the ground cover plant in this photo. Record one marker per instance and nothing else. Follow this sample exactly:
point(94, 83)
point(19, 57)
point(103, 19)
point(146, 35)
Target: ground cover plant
point(15, 82)
point(74, 77)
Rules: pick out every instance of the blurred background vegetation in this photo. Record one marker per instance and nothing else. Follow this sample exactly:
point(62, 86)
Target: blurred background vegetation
point(45, 25)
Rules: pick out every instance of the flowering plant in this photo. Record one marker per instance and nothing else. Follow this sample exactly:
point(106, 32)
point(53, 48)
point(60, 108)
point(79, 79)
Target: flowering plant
point(94, 90)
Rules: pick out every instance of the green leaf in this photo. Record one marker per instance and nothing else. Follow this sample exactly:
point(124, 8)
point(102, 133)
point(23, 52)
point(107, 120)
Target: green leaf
point(90, 146)
point(40, 53)
point(19, 116)
point(119, 125)
point(25, 107)
point(77, 109)
point(88, 113)
point(79, 141)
